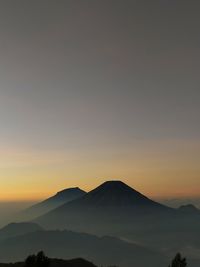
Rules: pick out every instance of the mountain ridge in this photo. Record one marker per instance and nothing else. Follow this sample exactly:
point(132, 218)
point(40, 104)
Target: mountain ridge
point(68, 244)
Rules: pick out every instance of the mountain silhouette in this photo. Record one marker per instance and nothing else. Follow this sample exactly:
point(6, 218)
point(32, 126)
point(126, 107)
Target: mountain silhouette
point(116, 194)
point(101, 210)
point(51, 203)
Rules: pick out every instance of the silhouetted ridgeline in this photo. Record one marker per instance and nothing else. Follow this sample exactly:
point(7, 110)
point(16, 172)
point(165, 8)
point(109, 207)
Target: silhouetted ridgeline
point(41, 260)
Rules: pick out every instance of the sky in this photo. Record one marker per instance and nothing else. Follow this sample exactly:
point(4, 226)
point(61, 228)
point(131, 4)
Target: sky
point(99, 90)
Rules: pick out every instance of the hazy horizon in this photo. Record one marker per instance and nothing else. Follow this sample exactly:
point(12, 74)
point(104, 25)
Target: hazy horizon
point(171, 200)
point(8, 210)
point(40, 195)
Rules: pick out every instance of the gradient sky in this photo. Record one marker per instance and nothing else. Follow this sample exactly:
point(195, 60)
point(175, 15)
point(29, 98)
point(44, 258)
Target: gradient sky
point(97, 90)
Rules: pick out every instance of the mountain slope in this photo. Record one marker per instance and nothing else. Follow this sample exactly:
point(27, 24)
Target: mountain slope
point(51, 203)
point(105, 251)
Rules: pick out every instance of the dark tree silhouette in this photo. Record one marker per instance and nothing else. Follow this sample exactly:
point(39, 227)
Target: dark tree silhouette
point(30, 261)
point(178, 261)
point(42, 260)
point(39, 260)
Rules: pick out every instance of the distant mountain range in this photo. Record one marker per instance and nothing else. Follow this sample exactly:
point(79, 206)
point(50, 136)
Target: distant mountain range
point(51, 203)
point(142, 230)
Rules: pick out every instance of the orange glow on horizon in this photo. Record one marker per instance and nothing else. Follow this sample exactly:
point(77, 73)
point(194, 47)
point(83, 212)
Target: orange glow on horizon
point(167, 169)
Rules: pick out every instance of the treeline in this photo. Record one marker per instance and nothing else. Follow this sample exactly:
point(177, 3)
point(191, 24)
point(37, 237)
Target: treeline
point(41, 260)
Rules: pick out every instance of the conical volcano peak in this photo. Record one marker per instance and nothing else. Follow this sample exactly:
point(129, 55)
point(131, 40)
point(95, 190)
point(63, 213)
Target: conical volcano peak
point(115, 193)
point(115, 187)
point(115, 184)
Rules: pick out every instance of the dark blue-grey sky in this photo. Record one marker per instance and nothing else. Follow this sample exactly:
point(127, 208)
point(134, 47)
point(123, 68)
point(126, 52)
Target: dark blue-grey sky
point(91, 90)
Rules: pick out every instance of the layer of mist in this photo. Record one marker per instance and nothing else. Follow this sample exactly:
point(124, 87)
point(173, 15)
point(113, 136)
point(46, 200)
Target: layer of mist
point(8, 210)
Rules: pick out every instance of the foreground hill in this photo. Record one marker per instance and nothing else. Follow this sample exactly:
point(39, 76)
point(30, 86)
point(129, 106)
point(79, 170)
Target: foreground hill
point(105, 251)
point(56, 263)
point(51, 203)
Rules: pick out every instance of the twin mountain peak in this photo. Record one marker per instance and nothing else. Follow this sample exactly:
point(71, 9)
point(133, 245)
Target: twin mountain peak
point(110, 193)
